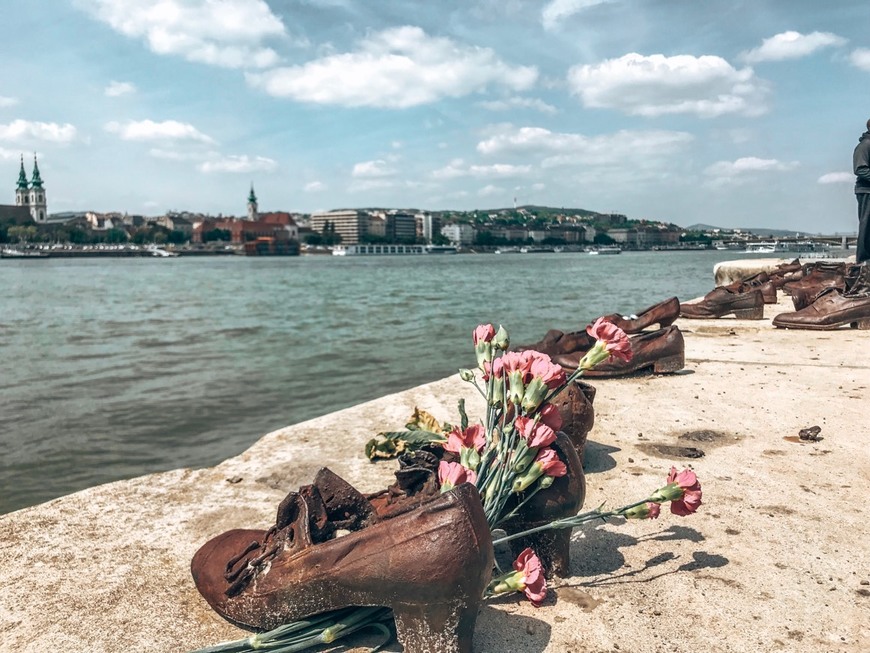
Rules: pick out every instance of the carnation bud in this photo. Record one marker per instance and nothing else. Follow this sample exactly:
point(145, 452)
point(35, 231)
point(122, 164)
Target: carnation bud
point(502, 339)
point(466, 375)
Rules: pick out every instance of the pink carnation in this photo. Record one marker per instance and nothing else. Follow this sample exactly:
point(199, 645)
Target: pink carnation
point(534, 584)
point(470, 438)
point(550, 416)
point(483, 333)
point(536, 434)
point(549, 462)
point(616, 342)
point(541, 366)
point(453, 474)
point(691, 487)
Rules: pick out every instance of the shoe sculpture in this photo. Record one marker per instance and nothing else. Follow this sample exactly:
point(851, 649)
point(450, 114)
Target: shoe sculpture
point(564, 498)
point(577, 411)
point(817, 275)
point(721, 301)
point(760, 281)
point(664, 314)
point(662, 350)
point(804, 292)
point(430, 564)
point(833, 308)
point(557, 342)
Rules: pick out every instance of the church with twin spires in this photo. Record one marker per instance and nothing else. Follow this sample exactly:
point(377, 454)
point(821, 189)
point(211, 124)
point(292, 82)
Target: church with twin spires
point(31, 194)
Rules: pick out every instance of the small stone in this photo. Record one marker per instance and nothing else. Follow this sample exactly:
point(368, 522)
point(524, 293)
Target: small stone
point(531, 629)
point(631, 460)
point(865, 582)
point(235, 479)
point(657, 613)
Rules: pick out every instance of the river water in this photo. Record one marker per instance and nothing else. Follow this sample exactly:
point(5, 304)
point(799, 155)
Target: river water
point(115, 368)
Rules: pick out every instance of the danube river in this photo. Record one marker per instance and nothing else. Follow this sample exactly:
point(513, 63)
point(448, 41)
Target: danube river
point(111, 369)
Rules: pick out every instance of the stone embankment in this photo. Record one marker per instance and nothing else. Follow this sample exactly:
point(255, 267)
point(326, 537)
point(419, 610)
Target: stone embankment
point(777, 559)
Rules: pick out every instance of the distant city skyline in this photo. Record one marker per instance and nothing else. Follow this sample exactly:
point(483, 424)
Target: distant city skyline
point(736, 114)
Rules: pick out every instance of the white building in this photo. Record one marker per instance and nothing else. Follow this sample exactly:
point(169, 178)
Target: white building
point(458, 233)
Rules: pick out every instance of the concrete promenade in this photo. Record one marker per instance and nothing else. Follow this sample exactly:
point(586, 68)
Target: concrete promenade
point(777, 558)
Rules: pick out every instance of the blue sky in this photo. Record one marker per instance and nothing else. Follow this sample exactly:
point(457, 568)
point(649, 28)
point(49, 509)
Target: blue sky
point(739, 113)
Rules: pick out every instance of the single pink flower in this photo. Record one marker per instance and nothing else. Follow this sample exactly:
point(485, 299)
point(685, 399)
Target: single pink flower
point(550, 464)
point(514, 361)
point(542, 367)
point(470, 438)
point(550, 416)
point(452, 474)
point(616, 342)
point(494, 368)
point(533, 583)
point(536, 434)
point(654, 510)
point(688, 482)
point(483, 333)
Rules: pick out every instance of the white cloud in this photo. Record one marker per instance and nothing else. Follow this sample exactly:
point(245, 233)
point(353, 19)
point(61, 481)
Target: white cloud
point(860, 58)
point(519, 103)
point(656, 85)
point(791, 45)
point(837, 178)
point(314, 187)
point(7, 101)
point(8, 154)
point(490, 190)
point(456, 169)
point(744, 169)
point(243, 163)
point(224, 33)
point(18, 130)
point(558, 10)
point(116, 89)
point(148, 130)
point(372, 169)
point(397, 68)
point(642, 148)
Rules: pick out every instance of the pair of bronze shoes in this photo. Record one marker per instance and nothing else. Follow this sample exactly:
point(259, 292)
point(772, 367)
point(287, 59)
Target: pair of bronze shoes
point(426, 555)
point(662, 350)
point(818, 277)
point(834, 307)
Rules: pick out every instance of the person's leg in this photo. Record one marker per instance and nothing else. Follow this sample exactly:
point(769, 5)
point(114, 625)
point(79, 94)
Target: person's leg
point(862, 252)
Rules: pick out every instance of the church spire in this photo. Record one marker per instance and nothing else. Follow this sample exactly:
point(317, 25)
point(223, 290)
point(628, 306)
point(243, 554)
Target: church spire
point(36, 181)
point(22, 176)
point(251, 196)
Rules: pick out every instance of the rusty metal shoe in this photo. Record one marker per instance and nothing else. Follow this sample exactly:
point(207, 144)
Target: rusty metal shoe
point(805, 294)
point(577, 411)
point(557, 342)
point(664, 314)
point(431, 565)
point(663, 351)
point(760, 281)
point(818, 276)
point(564, 498)
point(831, 310)
point(721, 301)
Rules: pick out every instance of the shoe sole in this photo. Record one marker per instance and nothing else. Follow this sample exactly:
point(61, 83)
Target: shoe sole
point(665, 365)
point(862, 325)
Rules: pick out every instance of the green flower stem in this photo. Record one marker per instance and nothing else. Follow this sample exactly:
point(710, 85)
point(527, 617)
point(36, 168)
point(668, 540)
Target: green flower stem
point(571, 522)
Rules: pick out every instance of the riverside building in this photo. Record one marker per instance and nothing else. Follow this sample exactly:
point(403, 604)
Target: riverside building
point(30, 197)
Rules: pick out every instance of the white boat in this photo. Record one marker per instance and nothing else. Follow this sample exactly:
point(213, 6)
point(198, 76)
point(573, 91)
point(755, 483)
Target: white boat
point(391, 250)
point(161, 253)
point(606, 250)
point(19, 254)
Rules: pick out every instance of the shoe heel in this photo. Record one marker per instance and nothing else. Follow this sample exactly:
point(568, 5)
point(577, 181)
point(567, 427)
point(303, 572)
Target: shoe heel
point(669, 364)
point(755, 313)
point(863, 324)
point(442, 627)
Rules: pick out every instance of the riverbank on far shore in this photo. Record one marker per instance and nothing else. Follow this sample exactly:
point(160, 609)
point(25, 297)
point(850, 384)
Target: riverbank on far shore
point(775, 560)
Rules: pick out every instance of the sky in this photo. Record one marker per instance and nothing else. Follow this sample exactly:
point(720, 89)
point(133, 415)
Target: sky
point(739, 113)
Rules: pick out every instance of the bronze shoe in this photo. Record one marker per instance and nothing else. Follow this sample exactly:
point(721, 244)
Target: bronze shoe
point(830, 310)
point(664, 314)
point(564, 498)
point(721, 301)
point(431, 565)
point(818, 275)
point(558, 342)
point(576, 408)
point(760, 281)
point(804, 294)
point(662, 350)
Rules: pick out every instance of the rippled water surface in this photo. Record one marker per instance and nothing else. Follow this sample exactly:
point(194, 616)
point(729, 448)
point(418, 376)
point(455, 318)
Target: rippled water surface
point(115, 368)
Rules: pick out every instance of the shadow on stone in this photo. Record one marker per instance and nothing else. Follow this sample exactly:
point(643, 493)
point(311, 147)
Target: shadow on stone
point(597, 458)
point(499, 630)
